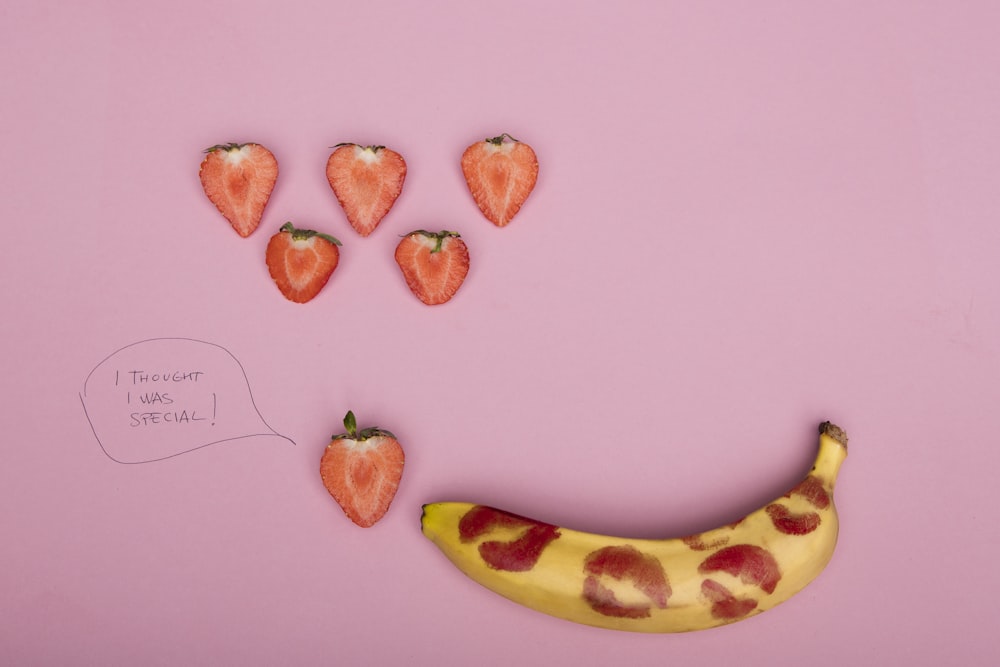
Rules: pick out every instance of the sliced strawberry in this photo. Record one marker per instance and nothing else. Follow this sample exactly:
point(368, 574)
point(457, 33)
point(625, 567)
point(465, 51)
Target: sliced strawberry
point(361, 470)
point(238, 179)
point(367, 180)
point(301, 261)
point(501, 172)
point(433, 264)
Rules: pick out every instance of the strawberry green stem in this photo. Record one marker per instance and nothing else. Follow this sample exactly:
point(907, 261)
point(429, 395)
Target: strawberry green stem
point(303, 234)
point(233, 146)
point(499, 140)
point(438, 236)
point(373, 149)
point(351, 424)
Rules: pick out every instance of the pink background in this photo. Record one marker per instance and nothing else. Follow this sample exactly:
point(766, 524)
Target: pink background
point(750, 217)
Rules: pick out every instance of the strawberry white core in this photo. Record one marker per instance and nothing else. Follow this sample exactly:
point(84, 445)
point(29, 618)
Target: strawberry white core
point(366, 155)
point(361, 446)
point(428, 242)
point(504, 147)
point(236, 155)
point(302, 244)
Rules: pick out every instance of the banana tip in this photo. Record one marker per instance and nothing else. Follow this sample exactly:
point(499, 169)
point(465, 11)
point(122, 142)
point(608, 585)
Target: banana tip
point(834, 431)
point(423, 517)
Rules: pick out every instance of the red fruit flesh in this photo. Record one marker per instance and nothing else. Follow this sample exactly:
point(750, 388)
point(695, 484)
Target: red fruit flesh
point(238, 179)
point(434, 265)
point(362, 472)
point(366, 180)
point(301, 262)
point(500, 175)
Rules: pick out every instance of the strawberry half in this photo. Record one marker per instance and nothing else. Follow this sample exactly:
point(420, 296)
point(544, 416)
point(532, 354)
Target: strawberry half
point(361, 470)
point(367, 180)
point(301, 261)
point(238, 179)
point(501, 172)
point(433, 264)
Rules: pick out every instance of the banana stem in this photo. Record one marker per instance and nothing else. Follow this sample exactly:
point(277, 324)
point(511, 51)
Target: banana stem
point(832, 452)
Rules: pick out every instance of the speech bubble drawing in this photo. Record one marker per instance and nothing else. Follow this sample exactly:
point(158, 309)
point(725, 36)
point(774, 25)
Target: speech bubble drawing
point(163, 397)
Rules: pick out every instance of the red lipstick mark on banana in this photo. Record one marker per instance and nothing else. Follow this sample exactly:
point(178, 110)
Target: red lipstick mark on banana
point(517, 555)
point(624, 563)
point(700, 543)
point(793, 523)
point(725, 605)
point(752, 564)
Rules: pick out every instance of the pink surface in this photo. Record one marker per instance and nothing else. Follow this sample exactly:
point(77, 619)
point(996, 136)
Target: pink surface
point(750, 217)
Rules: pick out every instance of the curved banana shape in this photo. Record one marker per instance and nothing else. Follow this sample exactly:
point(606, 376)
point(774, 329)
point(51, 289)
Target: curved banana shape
point(674, 585)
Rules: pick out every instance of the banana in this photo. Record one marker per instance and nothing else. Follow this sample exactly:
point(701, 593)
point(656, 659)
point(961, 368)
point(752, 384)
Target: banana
point(690, 583)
